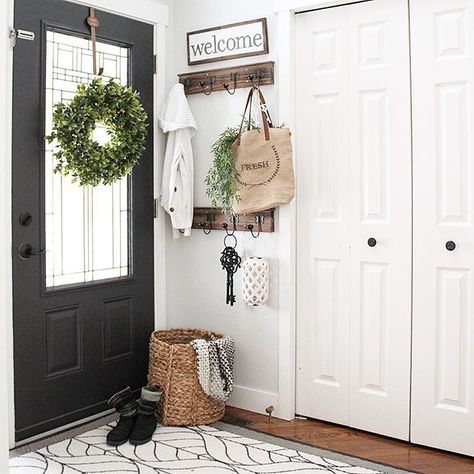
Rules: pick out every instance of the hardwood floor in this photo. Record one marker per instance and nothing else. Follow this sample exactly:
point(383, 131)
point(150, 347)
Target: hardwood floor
point(358, 443)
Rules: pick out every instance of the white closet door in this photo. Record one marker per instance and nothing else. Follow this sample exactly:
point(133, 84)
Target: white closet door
point(354, 178)
point(443, 313)
point(380, 132)
point(323, 202)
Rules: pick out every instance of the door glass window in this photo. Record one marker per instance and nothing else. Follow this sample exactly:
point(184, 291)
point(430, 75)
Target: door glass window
point(87, 229)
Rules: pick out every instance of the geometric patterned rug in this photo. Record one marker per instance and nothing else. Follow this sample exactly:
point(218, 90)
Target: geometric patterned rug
point(200, 449)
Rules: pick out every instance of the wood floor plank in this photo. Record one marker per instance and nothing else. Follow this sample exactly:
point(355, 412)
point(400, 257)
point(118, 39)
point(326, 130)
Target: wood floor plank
point(358, 443)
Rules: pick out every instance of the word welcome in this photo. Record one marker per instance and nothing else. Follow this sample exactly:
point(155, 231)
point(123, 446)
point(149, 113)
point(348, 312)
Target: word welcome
point(231, 44)
point(226, 42)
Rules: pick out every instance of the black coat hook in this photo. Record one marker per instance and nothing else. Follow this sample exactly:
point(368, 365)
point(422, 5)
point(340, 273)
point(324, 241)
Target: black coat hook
point(187, 83)
point(203, 225)
point(233, 77)
point(259, 220)
point(209, 83)
point(251, 78)
point(225, 226)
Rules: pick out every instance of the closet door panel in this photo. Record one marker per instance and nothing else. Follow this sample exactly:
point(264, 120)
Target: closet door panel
point(354, 177)
point(380, 210)
point(443, 318)
point(323, 224)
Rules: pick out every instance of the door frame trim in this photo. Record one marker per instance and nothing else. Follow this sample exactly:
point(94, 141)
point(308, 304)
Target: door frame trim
point(151, 12)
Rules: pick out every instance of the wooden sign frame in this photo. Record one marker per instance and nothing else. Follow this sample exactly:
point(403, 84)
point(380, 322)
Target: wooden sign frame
point(215, 43)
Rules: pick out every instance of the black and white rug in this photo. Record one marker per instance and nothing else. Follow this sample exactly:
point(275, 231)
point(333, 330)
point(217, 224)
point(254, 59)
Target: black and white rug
point(200, 449)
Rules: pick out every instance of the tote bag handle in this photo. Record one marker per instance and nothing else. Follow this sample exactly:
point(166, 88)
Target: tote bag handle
point(266, 122)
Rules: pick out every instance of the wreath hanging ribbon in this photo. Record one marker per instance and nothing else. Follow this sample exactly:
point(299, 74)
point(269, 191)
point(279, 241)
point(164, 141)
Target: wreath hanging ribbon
point(78, 154)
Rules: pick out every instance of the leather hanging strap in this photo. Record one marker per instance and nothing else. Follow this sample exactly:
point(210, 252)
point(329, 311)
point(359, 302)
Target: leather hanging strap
point(93, 23)
point(264, 108)
point(266, 122)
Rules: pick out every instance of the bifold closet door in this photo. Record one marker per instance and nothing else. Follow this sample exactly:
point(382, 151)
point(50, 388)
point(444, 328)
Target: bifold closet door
point(354, 216)
point(443, 312)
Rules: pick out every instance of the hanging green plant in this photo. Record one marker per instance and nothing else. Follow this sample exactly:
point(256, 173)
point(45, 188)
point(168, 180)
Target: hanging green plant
point(221, 180)
point(78, 155)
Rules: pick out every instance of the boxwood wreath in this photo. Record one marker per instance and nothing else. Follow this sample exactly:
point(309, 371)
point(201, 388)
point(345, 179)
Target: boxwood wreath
point(78, 155)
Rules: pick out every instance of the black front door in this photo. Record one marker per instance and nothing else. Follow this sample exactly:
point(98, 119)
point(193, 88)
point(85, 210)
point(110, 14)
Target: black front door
point(83, 309)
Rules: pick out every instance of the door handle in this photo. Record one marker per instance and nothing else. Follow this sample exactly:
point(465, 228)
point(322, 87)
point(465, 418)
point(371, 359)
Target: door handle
point(25, 251)
point(372, 242)
point(450, 245)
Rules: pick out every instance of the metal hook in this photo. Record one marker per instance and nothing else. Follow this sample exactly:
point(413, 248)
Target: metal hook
point(225, 226)
point(188, 83)
point(233, 77)
point(209, 82)
point(202, 225)
point(251, 78)
point(250, 227)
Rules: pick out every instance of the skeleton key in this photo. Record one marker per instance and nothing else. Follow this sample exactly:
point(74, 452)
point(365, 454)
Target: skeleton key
point(230, 261)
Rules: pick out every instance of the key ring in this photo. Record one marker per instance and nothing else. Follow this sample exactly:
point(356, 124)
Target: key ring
point(226, 237)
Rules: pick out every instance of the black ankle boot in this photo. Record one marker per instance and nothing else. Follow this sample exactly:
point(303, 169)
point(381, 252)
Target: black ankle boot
point(145, 424)
point(125, 404)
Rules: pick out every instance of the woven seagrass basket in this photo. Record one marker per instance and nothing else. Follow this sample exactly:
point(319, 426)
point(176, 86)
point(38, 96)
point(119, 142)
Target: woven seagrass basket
point(172, 366)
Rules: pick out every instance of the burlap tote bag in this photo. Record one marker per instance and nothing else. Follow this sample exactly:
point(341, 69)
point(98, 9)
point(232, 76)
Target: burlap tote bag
point(263, 158)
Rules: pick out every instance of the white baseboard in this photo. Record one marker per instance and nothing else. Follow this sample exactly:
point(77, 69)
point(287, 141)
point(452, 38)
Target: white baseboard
point(253, 400)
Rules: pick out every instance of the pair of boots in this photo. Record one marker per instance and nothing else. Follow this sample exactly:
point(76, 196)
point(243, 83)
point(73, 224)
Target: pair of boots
point(137, 421)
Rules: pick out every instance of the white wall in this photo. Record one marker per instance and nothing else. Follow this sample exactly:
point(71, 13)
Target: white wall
point(195, 280)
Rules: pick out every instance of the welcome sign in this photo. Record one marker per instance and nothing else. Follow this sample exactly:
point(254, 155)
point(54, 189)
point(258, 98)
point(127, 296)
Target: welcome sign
point(247, 38)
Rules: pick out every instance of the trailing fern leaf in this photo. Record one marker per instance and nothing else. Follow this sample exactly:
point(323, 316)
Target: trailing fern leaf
point(221, 180)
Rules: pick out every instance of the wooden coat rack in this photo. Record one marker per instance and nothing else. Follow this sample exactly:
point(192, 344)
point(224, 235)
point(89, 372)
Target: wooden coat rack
point(211, 218)
point(228, 79)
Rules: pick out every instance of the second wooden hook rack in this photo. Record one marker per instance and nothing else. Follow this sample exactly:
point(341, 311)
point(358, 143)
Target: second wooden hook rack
point(210, 218)
point(228, 79)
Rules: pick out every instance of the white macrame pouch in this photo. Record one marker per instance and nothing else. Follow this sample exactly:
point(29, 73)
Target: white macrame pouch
point(256, 281)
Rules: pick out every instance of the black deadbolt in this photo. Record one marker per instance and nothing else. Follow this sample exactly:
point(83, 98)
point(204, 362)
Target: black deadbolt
point(25, 219)
point(450, 245)
point(25, 251)
point(371, 242)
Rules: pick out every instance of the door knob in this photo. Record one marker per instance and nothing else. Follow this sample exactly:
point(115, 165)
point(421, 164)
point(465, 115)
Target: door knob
point(371, 242)
point(25, 218)
point(25, 251)
point(450, 245)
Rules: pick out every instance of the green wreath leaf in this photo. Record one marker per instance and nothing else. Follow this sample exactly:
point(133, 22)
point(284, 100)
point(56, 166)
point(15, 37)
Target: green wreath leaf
point(84, 159)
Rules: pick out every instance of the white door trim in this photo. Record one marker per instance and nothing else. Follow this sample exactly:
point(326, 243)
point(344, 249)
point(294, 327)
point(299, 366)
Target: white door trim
point(6, 335)
point(302, 5)
point(152, 12)
point(287, 229)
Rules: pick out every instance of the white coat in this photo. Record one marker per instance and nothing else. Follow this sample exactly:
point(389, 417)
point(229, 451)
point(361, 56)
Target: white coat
point(177, 191)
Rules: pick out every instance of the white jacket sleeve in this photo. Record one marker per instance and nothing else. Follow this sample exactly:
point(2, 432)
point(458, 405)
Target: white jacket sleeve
point(181, 203)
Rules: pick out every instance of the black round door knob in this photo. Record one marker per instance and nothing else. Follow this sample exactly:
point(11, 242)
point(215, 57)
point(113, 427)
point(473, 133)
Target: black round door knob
point(25, 219)
point(371, 242)
point(25, 251)
point(450, 245)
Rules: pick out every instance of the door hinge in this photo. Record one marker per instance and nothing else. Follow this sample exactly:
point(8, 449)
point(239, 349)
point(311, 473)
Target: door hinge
point(156, 207)
point(20, 34)
point(154, 64)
